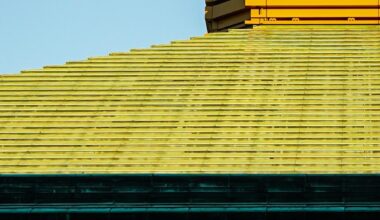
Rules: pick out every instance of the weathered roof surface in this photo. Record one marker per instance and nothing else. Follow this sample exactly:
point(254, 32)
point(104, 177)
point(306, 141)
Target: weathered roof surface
point(293, 99)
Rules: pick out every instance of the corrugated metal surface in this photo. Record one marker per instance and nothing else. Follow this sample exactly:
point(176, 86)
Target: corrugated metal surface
point(293, 99)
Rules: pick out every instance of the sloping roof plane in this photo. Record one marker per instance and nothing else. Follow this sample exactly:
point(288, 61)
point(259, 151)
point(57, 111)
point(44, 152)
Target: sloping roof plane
point(272, 99)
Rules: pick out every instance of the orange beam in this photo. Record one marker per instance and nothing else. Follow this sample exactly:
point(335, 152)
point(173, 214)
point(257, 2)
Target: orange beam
point(257, 21)
point(312, 3)
point(314, 11)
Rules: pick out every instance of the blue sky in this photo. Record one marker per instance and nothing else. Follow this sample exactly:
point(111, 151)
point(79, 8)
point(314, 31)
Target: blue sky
point(34, 33)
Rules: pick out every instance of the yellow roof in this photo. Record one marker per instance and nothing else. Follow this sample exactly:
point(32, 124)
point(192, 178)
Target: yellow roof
point(272, 99)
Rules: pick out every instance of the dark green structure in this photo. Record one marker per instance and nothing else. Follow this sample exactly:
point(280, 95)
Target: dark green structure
point(190, 197)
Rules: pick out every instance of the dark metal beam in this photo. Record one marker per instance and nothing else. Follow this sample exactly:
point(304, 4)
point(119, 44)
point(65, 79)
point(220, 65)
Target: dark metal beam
point(189, 193)
point(224, 14)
